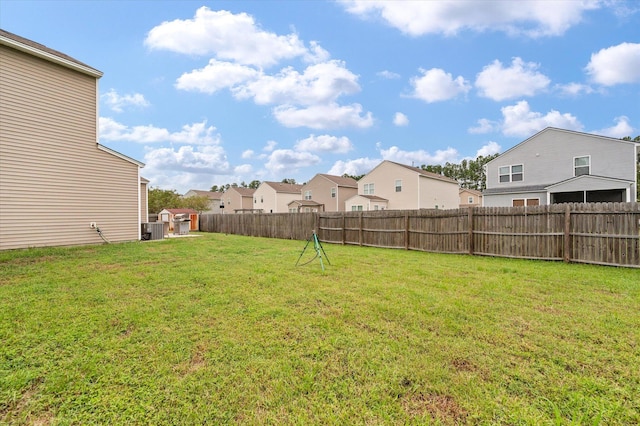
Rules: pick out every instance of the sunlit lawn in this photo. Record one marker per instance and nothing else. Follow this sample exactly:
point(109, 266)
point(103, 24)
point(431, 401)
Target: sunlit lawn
point(225, 329)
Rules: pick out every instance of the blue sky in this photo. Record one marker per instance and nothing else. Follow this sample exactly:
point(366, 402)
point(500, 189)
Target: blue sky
point(216, 92)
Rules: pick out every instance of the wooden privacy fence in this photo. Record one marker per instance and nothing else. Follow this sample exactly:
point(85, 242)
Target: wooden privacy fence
point(599, 233)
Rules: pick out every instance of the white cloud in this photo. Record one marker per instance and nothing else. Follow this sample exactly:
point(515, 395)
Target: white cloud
point(325, 143)
point(389, 75)
point(228, 36)
point(329, 116)
point(489, 149)
point(621, 129)
point(118, 103)
point(484, 126)
point(243, 169)
point(357, 167)
point(520, 79)
point(270, 146)
point(290, 161)
point(519, 120)
point(436, 85)
point(529, 18)
point(615, 65)
point(319, 83)
point(574, 89)
point(204, 159)
point(195, 134)
point(419, 157)
point(248, 154)
point(399, 119)
point(216, 76)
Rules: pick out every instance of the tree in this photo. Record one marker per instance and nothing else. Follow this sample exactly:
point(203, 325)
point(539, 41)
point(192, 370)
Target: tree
point(469, 173)
point(215, 188)
point(254, 184)
point(290, 181)
point(198, 203)
point(160, 199)
point(354, 177)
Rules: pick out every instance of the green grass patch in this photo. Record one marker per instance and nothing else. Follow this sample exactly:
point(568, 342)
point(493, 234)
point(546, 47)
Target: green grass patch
point(225, 329)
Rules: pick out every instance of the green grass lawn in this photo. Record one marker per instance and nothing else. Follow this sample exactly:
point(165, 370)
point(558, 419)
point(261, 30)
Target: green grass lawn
point(225, 329)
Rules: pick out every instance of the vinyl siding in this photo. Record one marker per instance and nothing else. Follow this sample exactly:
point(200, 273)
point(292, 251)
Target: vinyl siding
point(54, 180)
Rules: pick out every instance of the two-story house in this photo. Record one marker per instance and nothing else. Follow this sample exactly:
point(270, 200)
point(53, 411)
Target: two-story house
point(58, 185)
point(325, 193)
point(274, 197)
point(396, 186)
point(216, 203)
point(561, 166)
point(239, 200)
point(469, 197)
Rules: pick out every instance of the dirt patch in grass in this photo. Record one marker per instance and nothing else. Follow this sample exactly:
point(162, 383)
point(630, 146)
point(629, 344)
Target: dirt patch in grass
point(442, 408)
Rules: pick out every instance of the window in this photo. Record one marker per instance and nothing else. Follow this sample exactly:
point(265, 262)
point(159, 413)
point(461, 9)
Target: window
point(470, 200)
point(333, 193)
point(581, 165)
point(261, 199)
point(368, 189)
point(307, 195)
point(375, 207)
point(356, 208)
point(521, 202)
point(511, 173)
point(398, 185)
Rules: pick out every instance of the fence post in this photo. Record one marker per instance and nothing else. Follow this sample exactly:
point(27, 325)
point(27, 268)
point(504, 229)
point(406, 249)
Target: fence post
point(360, 230)
point(406, 231)
point(470, 219)
point(344, 230)
point(567, 234)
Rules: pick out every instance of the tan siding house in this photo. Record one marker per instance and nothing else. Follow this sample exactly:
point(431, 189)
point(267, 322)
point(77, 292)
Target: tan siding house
point(470, 198)
point(55, 179)
point(239, 200)
point(274, 197)
point(215, 199)
point(406, 188)
point(330, 191)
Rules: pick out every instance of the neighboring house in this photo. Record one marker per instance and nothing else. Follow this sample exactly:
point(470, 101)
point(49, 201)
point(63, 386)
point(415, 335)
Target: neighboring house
point(239, 200)
point(55, 179)
point(329, 191)
point(400, 187)
point(144, 200)
point(216, 204)
point(305, 206)
point(561, 166)
point(168, 216)
point(469, 197)
point(274, 197)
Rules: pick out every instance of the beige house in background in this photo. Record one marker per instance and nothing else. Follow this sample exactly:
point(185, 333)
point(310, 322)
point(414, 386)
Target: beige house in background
point(215, 199)
point(329, 191)
point(239, 200)
point(55, 178)
point(470, 197)
point(274, 197)
point(403, 187)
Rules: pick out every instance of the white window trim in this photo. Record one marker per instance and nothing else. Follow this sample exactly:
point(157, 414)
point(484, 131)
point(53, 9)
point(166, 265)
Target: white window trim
point(510, 174)
point(574, 164)
point(398, 185)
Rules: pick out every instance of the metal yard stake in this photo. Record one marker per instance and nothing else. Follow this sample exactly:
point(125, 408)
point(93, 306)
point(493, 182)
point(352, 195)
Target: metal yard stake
point(318, 248)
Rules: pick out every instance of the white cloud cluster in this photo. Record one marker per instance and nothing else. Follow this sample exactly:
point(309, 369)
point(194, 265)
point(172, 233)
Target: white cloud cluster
point(618, 64)
point(437, 85)
point(118, 103)
point(242, 51)
point(518, 120)
point(520, 79)
point(193, 134)
point(400, 119)
point(526, 17)
point(325, 143)
point(621, 129)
